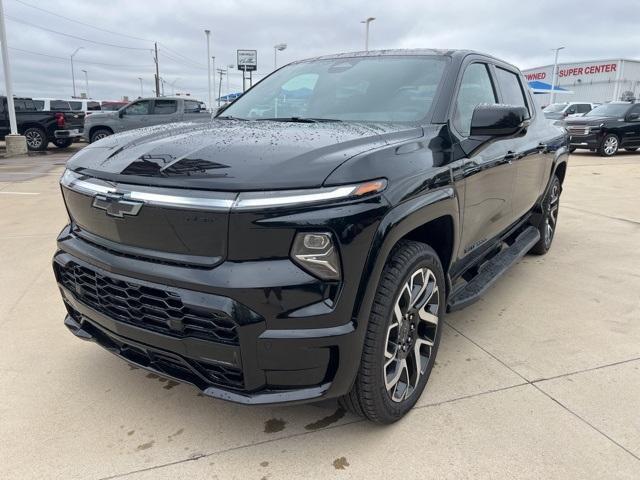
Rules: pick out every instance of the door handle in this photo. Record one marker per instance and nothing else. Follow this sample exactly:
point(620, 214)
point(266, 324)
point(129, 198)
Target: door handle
point(541, 146)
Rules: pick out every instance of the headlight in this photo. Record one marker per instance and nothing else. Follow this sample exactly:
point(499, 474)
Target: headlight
point(316, 253)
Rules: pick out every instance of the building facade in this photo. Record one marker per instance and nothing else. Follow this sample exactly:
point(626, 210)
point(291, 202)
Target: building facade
point(595, 81)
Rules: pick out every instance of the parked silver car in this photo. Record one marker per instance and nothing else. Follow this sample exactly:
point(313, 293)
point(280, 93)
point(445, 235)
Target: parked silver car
point(143, 113)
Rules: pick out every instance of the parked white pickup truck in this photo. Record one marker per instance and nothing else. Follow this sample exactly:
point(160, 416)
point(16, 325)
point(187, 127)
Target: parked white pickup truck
point(143, 112)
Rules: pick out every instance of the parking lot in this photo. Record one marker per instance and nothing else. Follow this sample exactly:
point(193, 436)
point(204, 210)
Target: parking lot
point(540, 379)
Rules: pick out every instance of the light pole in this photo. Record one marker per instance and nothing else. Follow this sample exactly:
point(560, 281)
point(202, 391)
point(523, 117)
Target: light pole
point(16, 144)
point(86, 82)
point(141, 94)
point(555, 75)
point(208, 34)
point(229, 68)
point(279, 47)
point(213, 70)
point(366, 35)
point(73, 77)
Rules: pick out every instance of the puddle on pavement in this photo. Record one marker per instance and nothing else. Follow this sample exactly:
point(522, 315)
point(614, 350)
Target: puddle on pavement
point(274, 425)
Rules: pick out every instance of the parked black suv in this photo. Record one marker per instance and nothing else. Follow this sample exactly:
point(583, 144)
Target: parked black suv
point(607, 128)
point(307, 242)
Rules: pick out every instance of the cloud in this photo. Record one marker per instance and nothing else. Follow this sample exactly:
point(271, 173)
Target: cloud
point(519, 32)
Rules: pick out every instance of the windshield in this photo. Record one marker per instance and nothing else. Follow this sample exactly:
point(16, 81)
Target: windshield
point(555, 107)
point(609, 110)
point(376, 89)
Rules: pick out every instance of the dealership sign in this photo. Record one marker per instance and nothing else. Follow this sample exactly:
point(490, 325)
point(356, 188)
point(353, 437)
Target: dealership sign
point(571, 71)
point(248, 60)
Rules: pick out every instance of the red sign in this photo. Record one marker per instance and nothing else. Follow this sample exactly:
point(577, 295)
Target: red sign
point(536, 76)
point(588, 70)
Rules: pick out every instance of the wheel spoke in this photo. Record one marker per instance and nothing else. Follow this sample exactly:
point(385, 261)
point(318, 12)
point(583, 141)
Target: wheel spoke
point(392, 382)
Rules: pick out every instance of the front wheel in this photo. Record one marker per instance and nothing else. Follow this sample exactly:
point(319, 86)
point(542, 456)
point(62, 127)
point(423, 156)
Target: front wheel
point(609, 145)
point(549, 220)
point(99, 134)
point(402, 336)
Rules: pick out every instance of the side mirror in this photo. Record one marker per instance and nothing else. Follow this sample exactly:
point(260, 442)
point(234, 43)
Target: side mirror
point(633, 117)
point(121, 113)
point(498, 120)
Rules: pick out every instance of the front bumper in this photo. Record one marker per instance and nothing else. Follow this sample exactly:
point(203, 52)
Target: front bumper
point(259, 360)
point(590, 141)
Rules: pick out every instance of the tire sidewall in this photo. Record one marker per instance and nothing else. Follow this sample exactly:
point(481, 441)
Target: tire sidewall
point(396, 410)
point(98, 132)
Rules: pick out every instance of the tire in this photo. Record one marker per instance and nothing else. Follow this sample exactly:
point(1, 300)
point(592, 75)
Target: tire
point(99, 134)
point(62, 142)
point(391, 346)
point(631, 149)
point(36, 139)
point(549, 220)
point(609, 146)
point(572, 149)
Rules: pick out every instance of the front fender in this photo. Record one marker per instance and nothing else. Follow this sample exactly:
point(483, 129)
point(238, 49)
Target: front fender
point(395, 225)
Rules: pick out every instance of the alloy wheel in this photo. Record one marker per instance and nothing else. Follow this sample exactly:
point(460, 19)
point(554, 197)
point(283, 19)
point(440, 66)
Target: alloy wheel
point(551, 218)
point(34, 139)
point(411, 334)
point(610, 145)
point(99, 136)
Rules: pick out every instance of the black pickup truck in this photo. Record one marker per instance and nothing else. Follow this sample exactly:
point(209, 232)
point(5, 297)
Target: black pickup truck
point(40, 127)
point(606, 129)
point(307, 242)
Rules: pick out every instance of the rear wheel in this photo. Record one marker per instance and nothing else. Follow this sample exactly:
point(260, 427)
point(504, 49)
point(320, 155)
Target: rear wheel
point(402, 336)
point(549, 221)
point(609, 146)
point(99, 134)
point(62, 142)
point(36, 139)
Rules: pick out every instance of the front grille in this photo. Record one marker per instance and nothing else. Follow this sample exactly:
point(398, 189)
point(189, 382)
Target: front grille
point(145, 306)
point(576, 130)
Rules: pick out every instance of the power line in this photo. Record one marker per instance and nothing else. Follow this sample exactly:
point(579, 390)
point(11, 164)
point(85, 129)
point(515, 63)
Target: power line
point(13, 19)
point(82, 23)
point(66, 59)
point(180, 55)
point(182, 62)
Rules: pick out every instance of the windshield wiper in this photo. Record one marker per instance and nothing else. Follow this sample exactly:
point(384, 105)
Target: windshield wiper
point(229, 117)
point(300, 119)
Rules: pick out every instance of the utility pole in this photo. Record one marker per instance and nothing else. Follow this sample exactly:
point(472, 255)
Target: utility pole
point(157, 71)
point(15, 144)
point(86, 82)
point(141, 94)
point(366, 38)
point(555, 75)
point(213, 74)
point(229, 68)
point(221, 72)
point(73, 76)
point(208, 34)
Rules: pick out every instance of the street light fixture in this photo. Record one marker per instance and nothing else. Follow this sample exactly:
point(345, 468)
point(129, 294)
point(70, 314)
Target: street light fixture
point(86, 82)
point(73, 78)
point(555, 74)
point(279, 47)
point(366, 37)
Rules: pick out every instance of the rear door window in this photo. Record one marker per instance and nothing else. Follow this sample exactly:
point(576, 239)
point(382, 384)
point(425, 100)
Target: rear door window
point(75, 106)
point(583, 107)
point(476, 88)
point(39, 104)
point(192, 106)
point(165, 107)
point(92, 106)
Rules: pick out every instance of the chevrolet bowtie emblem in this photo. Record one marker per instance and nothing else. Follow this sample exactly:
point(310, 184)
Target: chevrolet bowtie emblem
point(116, 206)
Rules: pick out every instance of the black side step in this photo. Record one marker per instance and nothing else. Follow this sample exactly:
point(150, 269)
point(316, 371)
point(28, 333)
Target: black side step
point(493, 269)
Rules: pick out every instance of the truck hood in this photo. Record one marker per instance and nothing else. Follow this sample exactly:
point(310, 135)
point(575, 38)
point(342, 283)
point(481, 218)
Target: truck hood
point(234, 155)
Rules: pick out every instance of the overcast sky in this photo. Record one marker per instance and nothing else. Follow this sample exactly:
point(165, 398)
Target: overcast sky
point(520, 32)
